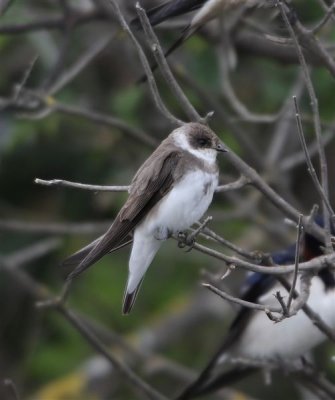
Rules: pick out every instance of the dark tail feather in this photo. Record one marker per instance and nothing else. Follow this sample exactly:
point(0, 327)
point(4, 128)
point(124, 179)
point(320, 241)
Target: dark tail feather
point(205, 375)
point(79, 256)
point(167, 10)
point(155, 16)
point(98, 251)
point(201, 387)
point(185, 35)
point(129, 299)
point(92, 253)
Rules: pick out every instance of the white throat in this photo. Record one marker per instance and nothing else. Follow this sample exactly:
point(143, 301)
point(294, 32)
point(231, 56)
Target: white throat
point(207, 155)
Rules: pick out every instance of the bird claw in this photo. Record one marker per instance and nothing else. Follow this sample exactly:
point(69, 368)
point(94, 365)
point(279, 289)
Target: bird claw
point(185, 240)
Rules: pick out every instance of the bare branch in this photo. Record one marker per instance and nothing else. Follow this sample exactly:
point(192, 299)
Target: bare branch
point(282, 129)
point(84, 228)
point(4, 5)
point(255, 255)
point(298, 158)
point(164, 67)
point(30, 253)
point(111, 7)
point(315, 264)
point(41, 293)
point(311, 169)
point(57, 22)
point(296, 264)
point(239, 184)
point(13, 392)
point(131, 377)
point(79, 65)
point(308, 39)
point(82, 186)
point(328, 15)
point(248, 304)
point(312, 315)
point(108, 120)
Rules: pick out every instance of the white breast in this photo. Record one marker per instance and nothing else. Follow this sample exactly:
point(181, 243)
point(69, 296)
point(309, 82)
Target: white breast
point(291, 337)
point(185, 204)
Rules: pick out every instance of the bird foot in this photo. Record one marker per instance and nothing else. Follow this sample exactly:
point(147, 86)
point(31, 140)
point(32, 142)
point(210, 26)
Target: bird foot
point(186, 240)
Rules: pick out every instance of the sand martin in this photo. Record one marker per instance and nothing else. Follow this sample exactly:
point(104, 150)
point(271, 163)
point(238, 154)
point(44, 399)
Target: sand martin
point(170, 192)
point(252, 336)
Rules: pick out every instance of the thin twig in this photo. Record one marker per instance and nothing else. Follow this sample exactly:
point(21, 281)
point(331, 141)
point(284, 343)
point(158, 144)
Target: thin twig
point(297, 158)
point(63, 51)
point(328, 15)
point(51, 23)
point(314, 264)
point(213, 103)
point(111, 7)
point(178, 93)
point(73, 71)
point(201, 226)
point(239, 184)
point(82, 186)
point(312, 315)
point(296, 264)
point(57, 228)
point(255, 255)
point(30, 253)
point(103, 119)
point(41, 293)
point(236, 300)
point(94, 342)
point(282, 129)
point(13, 392)
point(282, 314)
point(304, 292)
point(4, 6)
point(270, 194)
point(20, 86)
point(311, 169)
point(314, 104)
point(229, 94)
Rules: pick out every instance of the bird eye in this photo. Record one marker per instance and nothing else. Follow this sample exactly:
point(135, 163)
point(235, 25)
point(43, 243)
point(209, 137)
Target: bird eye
point(202, 142)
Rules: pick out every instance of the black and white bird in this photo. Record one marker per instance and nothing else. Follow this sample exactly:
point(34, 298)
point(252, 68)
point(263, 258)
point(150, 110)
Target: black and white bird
point(253, 336)
point(204, 11)
point(170, 192)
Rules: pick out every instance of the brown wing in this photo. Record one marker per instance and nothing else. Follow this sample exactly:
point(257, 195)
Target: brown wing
point(141, 200)
point(78, 256)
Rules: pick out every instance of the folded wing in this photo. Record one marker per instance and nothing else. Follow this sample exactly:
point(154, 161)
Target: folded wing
point(145, 193)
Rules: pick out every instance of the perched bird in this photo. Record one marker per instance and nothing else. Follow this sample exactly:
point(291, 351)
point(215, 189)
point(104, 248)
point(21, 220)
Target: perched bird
point(253, 336)
point(170, 192)
point(206, 10)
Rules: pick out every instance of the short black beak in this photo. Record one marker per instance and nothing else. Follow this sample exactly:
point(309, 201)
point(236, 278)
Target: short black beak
point(221, 147)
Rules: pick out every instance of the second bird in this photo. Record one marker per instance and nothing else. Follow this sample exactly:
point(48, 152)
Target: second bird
point(170, 192)
point(204, 11)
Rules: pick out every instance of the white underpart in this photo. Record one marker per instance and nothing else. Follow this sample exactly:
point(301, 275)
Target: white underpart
point(290, 338)
point(184, 205)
